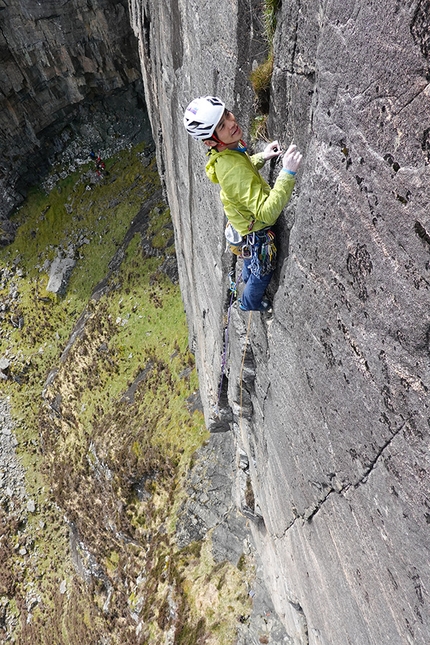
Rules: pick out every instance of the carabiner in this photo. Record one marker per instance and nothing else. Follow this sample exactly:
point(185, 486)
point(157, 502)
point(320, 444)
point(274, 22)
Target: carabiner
point(246, 252)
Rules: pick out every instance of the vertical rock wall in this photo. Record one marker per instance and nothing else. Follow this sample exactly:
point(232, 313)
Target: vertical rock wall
point(334, 412)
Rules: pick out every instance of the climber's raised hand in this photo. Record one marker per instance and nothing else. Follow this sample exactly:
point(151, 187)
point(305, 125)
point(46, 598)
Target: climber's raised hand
point(271, 151)
point(292, 159)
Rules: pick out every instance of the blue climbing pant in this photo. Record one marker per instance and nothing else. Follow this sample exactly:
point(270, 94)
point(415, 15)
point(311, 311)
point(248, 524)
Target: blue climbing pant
point(254, 287)
point(259, 260)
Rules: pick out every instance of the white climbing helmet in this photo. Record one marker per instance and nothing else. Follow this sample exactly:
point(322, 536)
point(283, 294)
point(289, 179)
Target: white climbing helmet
point(202, 116)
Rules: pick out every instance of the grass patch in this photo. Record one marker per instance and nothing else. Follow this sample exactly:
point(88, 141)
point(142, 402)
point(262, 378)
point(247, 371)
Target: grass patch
point(34, 348)
point(260, 78)
point(258, 131)
point(214, 591)
point(161, 229)
point(270, 9)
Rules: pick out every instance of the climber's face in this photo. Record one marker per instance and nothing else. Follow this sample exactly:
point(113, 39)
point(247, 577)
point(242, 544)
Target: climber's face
point(228, 130)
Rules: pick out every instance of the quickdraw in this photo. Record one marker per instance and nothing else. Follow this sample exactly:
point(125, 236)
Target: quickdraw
point(248, 246)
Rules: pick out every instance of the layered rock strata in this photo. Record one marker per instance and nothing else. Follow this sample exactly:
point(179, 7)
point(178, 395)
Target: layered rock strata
point(57, 60)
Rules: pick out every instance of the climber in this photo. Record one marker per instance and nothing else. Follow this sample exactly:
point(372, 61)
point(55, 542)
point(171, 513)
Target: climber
point(250, 205)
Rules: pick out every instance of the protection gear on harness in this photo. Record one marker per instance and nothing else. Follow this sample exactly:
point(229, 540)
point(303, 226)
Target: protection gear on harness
point(258, 246)
point(262, 249)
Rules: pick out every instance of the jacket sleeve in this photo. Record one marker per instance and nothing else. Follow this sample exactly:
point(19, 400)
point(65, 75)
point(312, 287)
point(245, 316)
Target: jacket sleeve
point(257, 160)
point(268, 210)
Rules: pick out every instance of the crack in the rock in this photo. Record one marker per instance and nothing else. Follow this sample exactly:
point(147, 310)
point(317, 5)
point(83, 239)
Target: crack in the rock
point(412, 99)
point(299, 609)
point(266, 394)
point(296, 31)
point(421, 232)
point(363, 478)
point(310, 513)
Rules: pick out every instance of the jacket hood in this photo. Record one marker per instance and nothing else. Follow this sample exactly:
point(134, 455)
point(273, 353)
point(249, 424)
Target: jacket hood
point(211, 164)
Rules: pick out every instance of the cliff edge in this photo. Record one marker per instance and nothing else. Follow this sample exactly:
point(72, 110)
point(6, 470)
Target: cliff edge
point(332, 409)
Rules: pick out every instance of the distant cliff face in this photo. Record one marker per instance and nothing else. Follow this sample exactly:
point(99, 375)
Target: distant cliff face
point(54, 56)
point(335, 388)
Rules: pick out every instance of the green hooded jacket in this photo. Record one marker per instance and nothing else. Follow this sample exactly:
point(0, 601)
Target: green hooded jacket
point(248, 200)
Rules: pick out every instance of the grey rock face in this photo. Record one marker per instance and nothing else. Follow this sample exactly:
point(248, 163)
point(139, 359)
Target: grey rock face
point(335, 419)
point(209, 504)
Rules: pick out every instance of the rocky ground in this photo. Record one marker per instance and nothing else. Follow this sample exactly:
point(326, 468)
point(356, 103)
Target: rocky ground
point(15, 506)
point(210, 510)
point(12, 476)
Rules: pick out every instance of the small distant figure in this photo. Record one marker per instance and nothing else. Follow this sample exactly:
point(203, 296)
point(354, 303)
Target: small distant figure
point(92, 154)
point(100, 165)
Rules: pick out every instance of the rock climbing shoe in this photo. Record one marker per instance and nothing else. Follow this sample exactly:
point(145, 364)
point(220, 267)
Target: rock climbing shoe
point(264, 306)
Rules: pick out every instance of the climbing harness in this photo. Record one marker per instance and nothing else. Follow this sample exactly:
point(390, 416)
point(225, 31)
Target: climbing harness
point(258, 246)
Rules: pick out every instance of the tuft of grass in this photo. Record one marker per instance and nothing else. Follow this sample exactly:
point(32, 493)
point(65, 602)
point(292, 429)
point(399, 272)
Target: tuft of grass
point(258, 130)
point(270, 9)
point(261, 76)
